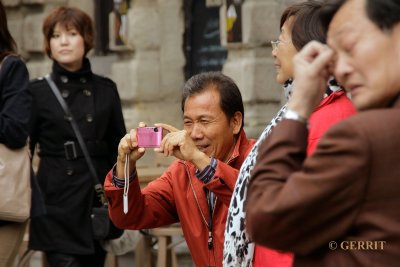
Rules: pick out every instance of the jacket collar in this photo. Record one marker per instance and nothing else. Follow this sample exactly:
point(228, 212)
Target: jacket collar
point(242, 139)
point(62, 75)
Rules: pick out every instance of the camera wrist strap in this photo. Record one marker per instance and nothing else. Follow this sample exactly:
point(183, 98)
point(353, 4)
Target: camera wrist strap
point(126, 184)
point(97, 185)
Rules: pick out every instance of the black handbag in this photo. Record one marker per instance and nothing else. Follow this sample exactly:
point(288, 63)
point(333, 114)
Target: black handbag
point(102, 226)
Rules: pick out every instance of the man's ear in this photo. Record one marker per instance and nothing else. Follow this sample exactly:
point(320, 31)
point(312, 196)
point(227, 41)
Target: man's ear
point(236, 122)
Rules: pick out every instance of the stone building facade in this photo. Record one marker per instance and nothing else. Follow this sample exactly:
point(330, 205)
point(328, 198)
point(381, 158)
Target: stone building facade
point(150, 68)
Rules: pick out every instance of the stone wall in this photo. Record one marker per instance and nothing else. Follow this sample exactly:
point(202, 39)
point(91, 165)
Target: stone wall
point(152, 74)
point(149, 72)
point(251, 63)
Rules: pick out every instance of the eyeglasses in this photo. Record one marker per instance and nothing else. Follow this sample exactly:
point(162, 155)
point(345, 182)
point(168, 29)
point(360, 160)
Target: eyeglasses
point(275, 43)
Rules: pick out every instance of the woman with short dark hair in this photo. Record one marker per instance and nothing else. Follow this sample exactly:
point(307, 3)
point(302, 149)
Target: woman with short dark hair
point(65, 232)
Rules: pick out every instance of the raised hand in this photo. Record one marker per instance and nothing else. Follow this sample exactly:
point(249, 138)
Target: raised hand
point(311, 74)
point(179, 144)
point(129, 145)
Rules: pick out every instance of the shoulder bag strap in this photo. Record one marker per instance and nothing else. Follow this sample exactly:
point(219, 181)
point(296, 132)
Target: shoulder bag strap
point(4, 59)
point(97, 185)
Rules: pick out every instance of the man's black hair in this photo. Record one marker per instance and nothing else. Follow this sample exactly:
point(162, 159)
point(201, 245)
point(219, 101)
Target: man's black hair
point(230, 96)
point(383, 13)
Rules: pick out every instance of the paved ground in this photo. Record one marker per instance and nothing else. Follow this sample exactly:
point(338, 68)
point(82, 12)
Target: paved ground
point(128, 260)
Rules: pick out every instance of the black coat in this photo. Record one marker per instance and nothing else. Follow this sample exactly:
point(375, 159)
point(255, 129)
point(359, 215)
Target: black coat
point(67, 185)
point(15, 102)
point(15, 111)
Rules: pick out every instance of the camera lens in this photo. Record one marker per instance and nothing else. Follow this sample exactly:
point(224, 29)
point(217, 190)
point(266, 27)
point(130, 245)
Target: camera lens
point(156, 129)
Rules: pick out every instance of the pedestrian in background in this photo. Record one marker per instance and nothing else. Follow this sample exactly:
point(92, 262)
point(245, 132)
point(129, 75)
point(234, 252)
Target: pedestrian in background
point(65, 232)
point(15, 111)
point(299, 25)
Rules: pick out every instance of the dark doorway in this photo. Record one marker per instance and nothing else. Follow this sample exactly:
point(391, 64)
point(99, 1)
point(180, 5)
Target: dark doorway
point(202, 43)
point(102, 11)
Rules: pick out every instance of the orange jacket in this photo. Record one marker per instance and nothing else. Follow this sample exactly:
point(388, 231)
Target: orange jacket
point(178, 196)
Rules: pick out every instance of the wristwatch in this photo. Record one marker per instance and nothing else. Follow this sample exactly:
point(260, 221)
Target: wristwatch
point(293, 115)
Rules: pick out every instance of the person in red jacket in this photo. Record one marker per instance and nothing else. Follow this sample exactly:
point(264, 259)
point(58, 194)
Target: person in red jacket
point(196, 189)
point(299, 25)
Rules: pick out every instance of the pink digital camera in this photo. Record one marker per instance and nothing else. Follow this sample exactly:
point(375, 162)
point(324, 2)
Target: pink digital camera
point(149, 137)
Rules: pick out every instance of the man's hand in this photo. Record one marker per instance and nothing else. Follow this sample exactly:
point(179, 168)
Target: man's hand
point(128, 145)
point(311, 74)
point(179, 144)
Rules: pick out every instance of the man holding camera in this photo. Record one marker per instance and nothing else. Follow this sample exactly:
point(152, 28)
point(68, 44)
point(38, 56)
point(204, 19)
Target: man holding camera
point(196, 189)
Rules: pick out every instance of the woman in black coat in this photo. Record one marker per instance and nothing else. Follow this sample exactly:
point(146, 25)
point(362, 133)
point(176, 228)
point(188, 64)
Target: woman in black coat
point(65, 232)
point(15, 110)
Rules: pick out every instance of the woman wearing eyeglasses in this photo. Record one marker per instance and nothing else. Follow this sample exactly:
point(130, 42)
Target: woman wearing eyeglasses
point(299, 24)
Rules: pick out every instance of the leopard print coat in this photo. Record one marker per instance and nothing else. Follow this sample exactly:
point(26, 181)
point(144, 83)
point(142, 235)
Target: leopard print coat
point(238, 248)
